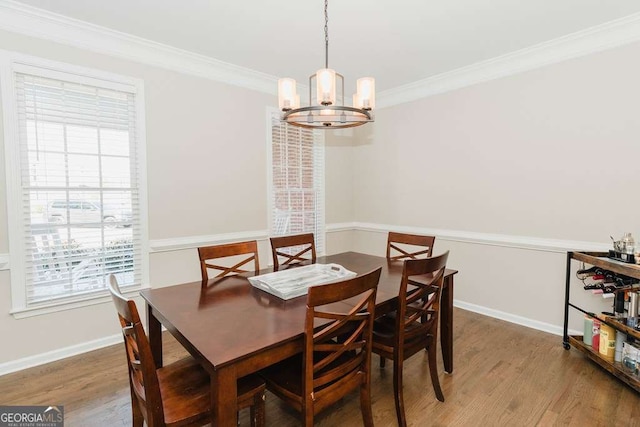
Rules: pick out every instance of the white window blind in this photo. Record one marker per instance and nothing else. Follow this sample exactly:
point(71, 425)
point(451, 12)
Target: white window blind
point(297, 181)
point(79, 185)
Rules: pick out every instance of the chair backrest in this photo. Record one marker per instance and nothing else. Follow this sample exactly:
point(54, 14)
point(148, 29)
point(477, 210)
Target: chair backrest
point(207, 253)
point(298, 245)
point(419, 303)
point(404, 245)
point(143, 379)
point(337, 355)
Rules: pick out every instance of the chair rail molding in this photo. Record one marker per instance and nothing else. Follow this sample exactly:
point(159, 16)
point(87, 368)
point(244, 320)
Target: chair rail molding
point(472, 237)
point(339, 227)
point(190, 242)
point(504, 240)
point(34, 22)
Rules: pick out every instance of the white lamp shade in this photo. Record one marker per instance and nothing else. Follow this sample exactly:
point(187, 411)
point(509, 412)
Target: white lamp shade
point(326, 86)
point(356, 101)
point(287, 94)
point(366, 92)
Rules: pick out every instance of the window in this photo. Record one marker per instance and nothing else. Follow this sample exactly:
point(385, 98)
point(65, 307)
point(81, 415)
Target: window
point(296, 193)
point(75, 167)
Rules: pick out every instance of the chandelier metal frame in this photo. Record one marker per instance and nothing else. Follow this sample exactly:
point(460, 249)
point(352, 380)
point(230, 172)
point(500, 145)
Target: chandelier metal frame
point(327, 114)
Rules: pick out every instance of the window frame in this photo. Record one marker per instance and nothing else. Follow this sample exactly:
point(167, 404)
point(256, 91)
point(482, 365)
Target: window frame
point(10, 63)
point(320, 240)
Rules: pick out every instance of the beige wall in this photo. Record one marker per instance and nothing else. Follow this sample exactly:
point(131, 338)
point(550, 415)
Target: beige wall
point(542, 154)
point(206, 163)
point(551, 153)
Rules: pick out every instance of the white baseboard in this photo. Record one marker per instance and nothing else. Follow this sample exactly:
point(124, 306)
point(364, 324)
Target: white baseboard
point(62, 353)
point(513, 318)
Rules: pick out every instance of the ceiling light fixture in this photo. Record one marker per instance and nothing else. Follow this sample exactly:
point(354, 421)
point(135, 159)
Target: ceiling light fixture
point(325, 111)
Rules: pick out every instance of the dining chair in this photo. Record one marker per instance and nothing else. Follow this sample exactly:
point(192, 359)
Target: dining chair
point(208, 253)
point(337, 350)
point(404, 246)
point(413, 326)
point(292, 249)
point(177, 394)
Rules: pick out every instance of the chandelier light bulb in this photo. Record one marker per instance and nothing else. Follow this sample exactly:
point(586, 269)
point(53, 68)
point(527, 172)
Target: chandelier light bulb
point(287, 94)
point(366, 93)
point(326, 86)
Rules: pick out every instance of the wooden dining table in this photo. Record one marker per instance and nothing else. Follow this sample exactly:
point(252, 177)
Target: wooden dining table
point(234, 329)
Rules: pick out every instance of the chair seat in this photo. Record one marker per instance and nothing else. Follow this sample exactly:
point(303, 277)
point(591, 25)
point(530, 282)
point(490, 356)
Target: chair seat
point(288, 373)
point(185, 390)
point(249, 387)
point(384, 329)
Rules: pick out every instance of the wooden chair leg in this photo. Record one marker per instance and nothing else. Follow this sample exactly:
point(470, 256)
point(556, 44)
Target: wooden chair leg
point(365, 405)
point(137, 419)
point(433, 370)
point(308, 417)
point(257, 411)
point(397, 389)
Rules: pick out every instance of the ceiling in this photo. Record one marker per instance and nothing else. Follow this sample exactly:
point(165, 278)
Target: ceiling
point(396, 42)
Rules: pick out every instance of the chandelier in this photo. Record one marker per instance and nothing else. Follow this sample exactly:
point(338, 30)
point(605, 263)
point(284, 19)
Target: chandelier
point(325, 111)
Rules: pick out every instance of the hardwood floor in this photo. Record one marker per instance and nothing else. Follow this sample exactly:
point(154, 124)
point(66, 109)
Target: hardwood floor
point(504, 375)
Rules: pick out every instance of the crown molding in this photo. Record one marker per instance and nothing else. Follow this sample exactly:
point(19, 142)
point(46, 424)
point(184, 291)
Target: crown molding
point(34, 22)
point(591, 40)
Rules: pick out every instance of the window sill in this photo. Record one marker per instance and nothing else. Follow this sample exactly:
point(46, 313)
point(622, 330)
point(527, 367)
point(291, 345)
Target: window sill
point(86, 301)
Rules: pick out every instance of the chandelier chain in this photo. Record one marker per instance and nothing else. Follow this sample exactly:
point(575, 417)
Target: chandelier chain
point(326, 33)
point(326, 110)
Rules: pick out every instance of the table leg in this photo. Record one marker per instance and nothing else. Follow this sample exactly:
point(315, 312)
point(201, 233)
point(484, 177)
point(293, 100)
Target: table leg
point(154, 329)
point(446, 323)
point(224, 397)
